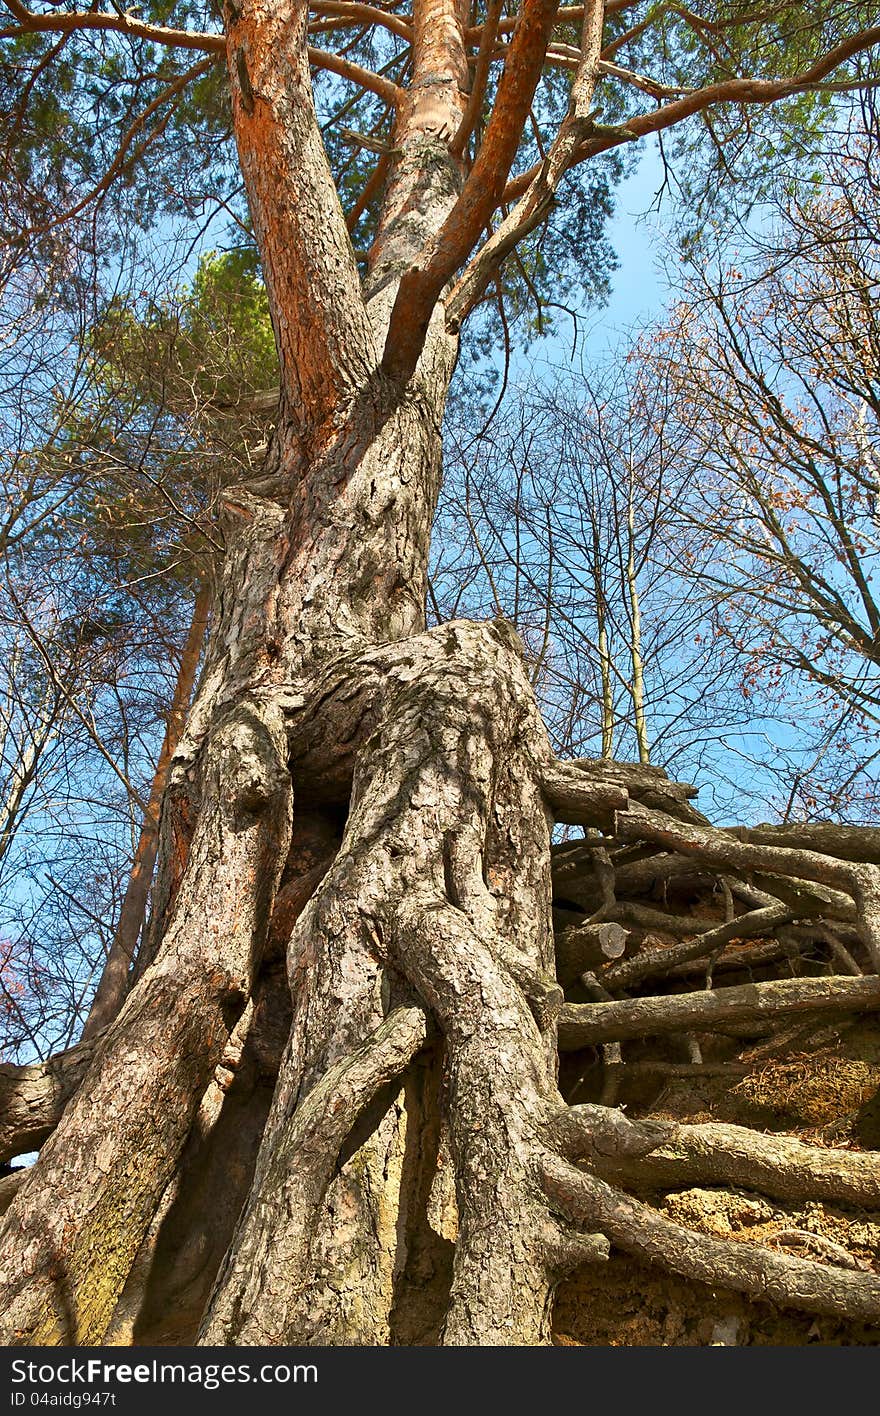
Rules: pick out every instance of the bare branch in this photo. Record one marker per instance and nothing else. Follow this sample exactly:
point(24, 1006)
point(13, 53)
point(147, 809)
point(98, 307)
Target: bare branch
point(123, 23)
point(583, 1024)
point(356, 74)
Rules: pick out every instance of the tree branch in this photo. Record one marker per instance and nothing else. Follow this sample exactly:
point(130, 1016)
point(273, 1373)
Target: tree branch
point(421, 285)
point(480, 79)
point(358, 13)
point(392, 93)
point(591, 141)
point(33, 1097)
point(325, 343)
point(542, 184)
point(583, 1024)
point(124, 23)
point(123, 155)
point(754, 90)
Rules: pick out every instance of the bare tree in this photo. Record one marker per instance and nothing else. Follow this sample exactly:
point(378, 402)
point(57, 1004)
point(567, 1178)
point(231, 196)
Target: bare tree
point(563, 517)
point(775, 360)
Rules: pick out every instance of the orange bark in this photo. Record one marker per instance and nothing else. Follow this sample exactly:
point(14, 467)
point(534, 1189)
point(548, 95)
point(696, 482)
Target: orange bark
point(481, 78)
point(421, 285)
point(325, 344)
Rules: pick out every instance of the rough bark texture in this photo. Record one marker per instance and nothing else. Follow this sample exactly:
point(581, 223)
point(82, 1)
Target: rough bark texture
point(65, 1264)
point(442, 882)
point(372, 802)
point(33, 1097)
point(114, 980)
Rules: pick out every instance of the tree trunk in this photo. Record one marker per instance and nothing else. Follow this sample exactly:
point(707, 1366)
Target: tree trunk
point(372, 801)
point(440, 887)
point(635, 628)
point(322, 690)
point(114, 979)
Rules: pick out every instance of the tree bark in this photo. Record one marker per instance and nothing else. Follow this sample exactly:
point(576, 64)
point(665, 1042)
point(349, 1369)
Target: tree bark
point(374, 802)
point(114, 981)
point(33, 1097)
point(442, 884)
point(585, 1023)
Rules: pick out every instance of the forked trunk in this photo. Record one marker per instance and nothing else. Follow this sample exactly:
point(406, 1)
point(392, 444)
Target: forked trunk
point(349, 788)
point(368, 1146)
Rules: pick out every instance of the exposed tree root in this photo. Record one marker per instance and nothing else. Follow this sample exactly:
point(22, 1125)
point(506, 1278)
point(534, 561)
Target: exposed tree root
point(779, 877)
point(654, 1155)
point(385, 1151)
point(660, 961)
point(860, 880)
point(296, 1173)
point(443, 880)
point(747, 1268)
point(586, 1023)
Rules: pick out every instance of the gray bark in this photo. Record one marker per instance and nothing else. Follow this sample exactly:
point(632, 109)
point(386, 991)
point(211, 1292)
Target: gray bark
point(374, 801)
point(33, 1097)
point(747, 1268)
point(443, 881)
point(583, 1024)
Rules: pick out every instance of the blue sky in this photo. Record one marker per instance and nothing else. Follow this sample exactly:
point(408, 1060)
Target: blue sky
point(636, 233)
point(639, 286)
point(642, 288)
